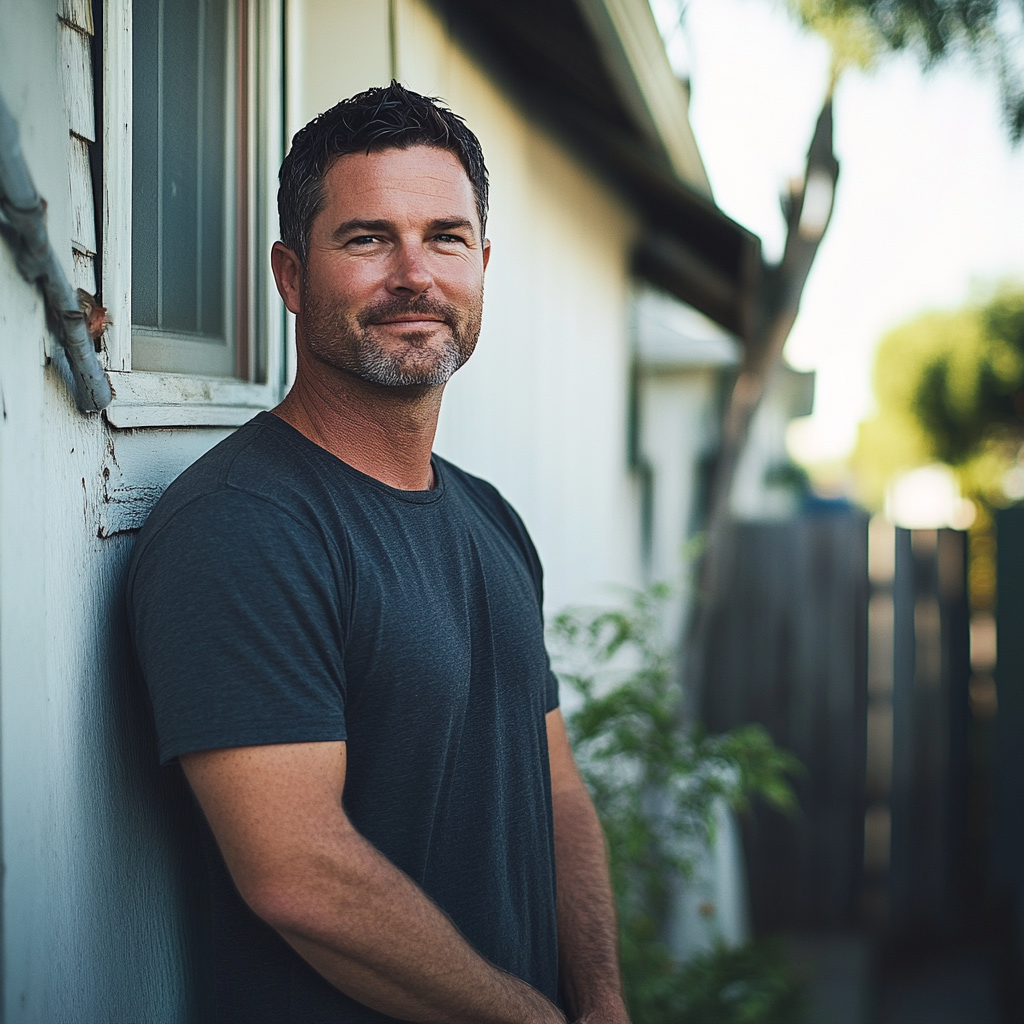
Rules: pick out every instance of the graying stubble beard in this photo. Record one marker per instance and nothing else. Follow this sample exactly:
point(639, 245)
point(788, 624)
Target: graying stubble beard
point(333, 338)
point(376, 366)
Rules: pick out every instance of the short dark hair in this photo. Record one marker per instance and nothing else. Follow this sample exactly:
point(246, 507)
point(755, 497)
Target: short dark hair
point(385, 117)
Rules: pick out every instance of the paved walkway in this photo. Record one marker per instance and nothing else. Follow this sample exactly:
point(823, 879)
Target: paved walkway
point(848, 985)
point(951, 988)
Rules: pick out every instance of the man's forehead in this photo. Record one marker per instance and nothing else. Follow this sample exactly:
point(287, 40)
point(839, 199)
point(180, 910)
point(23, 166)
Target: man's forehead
point(418, 173)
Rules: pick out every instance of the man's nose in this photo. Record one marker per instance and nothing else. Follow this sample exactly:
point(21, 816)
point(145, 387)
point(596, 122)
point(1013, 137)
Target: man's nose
point(409, 274)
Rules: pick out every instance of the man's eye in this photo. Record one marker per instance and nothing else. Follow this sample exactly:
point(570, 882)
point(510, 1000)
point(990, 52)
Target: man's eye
point(364, 240)
point(448, 238)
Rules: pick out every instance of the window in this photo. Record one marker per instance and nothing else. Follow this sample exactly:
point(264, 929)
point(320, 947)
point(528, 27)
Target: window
point(185, 173)
point(193, 137)
point(196, 133)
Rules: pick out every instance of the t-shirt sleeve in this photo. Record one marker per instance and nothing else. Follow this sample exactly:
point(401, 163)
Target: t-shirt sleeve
point(530, 554)
point(551, 695)
point(237, 618)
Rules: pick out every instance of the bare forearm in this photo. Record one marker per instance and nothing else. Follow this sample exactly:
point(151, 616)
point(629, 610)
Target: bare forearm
point(384, 943)
point(365, 926)
point(587, 929)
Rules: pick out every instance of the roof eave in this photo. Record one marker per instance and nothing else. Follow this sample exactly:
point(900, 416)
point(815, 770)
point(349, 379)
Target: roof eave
point(635, 59)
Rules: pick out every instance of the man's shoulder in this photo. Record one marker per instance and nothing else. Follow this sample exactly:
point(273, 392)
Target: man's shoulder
point(489, 501)
point(248, 460)
point(255, 474)
point(456, 478)
point(478, 491)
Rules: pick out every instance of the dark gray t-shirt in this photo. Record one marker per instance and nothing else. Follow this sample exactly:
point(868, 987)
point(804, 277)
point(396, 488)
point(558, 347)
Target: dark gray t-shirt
point(278, 595)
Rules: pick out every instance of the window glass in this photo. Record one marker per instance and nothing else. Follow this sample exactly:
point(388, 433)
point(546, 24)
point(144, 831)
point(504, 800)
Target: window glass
point(184, 184)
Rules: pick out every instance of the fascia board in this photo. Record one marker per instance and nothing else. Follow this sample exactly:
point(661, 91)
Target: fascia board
point(635, 57)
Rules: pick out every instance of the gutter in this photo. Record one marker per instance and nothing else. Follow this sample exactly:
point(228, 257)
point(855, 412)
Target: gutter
point(635, 58)
point(23, 225)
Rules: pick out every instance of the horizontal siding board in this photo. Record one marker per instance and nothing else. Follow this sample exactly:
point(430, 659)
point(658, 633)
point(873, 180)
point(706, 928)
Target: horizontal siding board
point(77, 13)
point(83, 216)
point(84, 267)
point(76, 81)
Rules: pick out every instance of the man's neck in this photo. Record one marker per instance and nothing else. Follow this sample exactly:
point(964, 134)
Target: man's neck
point(384, 432)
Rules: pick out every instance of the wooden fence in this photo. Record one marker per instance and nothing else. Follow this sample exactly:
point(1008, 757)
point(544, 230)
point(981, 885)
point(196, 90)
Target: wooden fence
point(787, 647)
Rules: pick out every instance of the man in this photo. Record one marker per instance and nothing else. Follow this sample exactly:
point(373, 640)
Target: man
point(342, 636)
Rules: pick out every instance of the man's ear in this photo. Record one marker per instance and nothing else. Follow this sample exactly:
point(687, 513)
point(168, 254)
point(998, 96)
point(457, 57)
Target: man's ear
point(287, 273)
point(487, 252)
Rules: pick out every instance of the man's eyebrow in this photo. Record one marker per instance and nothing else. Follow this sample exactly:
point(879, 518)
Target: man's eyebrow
point(368, 227)
point(451, 224)
point(377, 227)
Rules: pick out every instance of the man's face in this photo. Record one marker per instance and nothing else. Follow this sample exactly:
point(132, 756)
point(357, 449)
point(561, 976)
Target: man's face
point(393, 286)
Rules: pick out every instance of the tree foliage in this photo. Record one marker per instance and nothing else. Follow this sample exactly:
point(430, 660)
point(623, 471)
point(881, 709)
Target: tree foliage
point(655, 785)
point(950, 388)
point(990, 32)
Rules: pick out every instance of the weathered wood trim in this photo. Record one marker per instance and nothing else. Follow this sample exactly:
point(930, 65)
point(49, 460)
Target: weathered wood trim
point(74, 29)
point(77, 13)
point(76, 80)
point(269, 310)
point(83, 271)
point(117, 181)
point(144, 399)
point(83, 210)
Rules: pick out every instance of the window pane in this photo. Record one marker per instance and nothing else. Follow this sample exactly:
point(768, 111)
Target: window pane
point(181, 156)
point(181, 183)
point(212, 132)
point(145, 162)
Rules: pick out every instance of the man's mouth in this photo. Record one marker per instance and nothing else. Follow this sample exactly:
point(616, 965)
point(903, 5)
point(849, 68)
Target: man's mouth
point(402, 318)
point(411, 322)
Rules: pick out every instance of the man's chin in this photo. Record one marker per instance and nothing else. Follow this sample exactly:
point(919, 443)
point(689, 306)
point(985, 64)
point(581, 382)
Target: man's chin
point(408, 374)
point(423, 359)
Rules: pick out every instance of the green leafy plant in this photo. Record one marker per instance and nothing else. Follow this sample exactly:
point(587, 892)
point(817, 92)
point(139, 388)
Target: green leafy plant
point(655, 783)
point(748, 985)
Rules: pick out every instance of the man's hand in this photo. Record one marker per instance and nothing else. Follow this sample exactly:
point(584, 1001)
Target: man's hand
point(364, 925)
point(588, 935)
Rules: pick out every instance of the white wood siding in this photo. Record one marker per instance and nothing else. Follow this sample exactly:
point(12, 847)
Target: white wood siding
point(74, 36)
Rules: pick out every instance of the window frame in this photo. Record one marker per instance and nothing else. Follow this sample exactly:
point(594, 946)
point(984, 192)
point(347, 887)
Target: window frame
point(148, 398)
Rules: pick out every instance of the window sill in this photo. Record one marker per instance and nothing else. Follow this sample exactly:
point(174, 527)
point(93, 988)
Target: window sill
point(143, 399)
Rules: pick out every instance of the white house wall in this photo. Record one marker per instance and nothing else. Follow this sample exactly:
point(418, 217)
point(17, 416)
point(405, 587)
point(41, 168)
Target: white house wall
point(336, 48)
point(94, 878)
point(678, 429)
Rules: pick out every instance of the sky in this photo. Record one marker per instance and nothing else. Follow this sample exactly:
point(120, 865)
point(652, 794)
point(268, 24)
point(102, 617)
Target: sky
point(929, 205)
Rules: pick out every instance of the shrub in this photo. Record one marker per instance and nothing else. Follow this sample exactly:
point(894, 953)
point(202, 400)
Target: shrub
point(655, 781)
